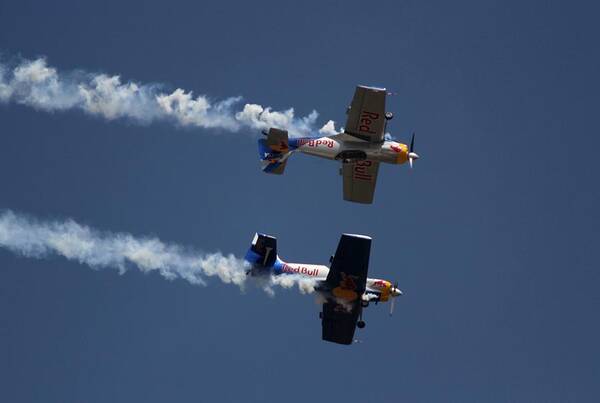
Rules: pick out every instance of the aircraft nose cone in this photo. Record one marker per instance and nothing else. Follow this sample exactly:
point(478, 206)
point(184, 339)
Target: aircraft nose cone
point(413, 155)
point(396, 292)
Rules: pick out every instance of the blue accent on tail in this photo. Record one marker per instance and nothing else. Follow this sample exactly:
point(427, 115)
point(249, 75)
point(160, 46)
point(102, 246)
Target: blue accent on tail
point(264, 151)
point(278, 266)
point(253, 257)
point(263, 252)
point(270, 159)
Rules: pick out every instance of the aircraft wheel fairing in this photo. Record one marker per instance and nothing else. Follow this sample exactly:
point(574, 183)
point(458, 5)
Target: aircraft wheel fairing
point(361, 324)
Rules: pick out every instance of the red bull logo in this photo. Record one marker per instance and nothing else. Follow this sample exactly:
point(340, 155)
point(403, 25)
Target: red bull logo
point(300, 270)
point(347, 288)
point(316, 142)
point(282, 147)
point(385, 287)
point(381, 284)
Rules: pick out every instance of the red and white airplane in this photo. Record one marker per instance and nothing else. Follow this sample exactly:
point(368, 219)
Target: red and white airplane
point(361, 147)
point(344, 284)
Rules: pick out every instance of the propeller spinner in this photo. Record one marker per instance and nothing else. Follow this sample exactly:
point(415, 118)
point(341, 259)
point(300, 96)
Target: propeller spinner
point(395, 292)
point(411, 154)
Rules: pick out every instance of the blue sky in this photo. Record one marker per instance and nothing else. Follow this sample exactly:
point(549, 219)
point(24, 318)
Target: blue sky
point(493, 236)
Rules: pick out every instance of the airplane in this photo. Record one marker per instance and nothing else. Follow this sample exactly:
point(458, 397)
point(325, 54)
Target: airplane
point(361, 147)
point(344, 284)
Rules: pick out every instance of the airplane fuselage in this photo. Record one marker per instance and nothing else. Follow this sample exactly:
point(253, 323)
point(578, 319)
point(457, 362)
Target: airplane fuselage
point(377, 290)
point(348, 148)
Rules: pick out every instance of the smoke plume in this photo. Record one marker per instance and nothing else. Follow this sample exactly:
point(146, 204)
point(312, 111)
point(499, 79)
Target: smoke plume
point(28, 237)
point(35, 84)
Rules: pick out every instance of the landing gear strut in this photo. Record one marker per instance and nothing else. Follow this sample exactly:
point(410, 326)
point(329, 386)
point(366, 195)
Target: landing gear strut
point(361, 323)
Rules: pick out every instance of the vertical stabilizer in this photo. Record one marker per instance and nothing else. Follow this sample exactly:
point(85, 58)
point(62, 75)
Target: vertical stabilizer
point(263, 251)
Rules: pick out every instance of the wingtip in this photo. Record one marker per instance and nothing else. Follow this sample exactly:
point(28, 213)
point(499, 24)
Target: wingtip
point(358, 236)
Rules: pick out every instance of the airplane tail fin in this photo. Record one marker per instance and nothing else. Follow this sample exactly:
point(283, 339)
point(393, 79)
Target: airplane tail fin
point(262, 253)
point(274, 151)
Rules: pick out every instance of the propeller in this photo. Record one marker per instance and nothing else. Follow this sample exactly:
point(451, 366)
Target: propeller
point(411, 154)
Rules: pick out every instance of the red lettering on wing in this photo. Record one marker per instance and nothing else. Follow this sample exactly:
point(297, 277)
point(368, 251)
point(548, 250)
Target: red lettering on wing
point(361, 171)
point(366, 120)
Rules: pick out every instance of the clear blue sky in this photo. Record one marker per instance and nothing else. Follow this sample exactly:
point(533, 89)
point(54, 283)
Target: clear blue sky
point(493, 237)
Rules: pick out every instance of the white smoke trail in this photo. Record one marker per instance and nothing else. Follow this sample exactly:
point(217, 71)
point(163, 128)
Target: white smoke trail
point(32, 238)
point(305, 285)
point(35, 84)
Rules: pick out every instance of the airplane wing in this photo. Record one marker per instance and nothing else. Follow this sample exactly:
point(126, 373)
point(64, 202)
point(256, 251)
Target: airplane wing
point(366, 116)
point(339, 323)
point(360, 179)
point(347, 280)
